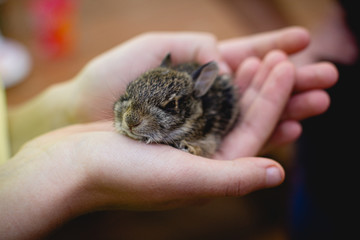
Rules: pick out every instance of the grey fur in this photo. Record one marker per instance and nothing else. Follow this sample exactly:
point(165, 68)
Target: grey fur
point(187, 106)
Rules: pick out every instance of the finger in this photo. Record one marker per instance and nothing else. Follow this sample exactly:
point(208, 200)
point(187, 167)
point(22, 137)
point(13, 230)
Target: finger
point(189, 47)
point(183, 46)
point(270, 61)
point(258, 121)
point(316, 76)
point(307, 104)
point(289, 40)
point(204, 178)
point(246, 73)
point(238, 177)
point(286, 132)
point(160, 177)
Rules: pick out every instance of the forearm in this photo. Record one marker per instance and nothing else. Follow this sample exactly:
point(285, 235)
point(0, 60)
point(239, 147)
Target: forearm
point(51, 109)
point(37, 194)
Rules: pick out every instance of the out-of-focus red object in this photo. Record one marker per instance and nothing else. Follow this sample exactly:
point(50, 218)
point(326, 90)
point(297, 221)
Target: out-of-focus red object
point(53, 25)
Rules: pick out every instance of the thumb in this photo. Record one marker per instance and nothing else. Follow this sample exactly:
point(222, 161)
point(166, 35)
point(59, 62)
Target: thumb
point(239, 177)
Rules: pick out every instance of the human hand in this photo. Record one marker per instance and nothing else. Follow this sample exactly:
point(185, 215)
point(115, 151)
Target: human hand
point(92, 93)
point(84, 168)
point(307, 98)
point(272, 102)
point(104, 79)
point(265, 88)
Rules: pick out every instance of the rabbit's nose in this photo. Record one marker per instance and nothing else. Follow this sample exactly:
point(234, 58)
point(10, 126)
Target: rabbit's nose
point(133, 124)
point(132, 121)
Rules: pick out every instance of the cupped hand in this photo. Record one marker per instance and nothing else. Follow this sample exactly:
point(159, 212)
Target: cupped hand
point(307, 98)
point(86, 167)
point(104, 79)
point(89, 167)
point(272, 103)
point(265, 88)
point(122, 173)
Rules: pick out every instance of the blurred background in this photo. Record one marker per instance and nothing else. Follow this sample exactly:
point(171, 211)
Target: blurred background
point(61, 36)
point(52, 40)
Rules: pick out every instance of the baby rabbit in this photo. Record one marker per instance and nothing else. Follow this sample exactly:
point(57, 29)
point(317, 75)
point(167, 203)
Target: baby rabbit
point(187, 106)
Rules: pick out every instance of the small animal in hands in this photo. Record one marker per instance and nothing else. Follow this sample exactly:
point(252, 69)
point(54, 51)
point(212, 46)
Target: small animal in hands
point(187, 106)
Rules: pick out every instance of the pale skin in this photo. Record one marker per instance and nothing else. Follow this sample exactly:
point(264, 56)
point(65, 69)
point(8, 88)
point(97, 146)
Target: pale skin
point(87, 167)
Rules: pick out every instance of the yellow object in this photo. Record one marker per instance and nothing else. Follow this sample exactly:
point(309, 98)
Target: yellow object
point(4, 137)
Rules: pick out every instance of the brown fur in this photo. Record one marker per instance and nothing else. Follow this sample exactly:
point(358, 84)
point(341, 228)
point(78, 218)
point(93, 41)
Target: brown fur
point(180, 106)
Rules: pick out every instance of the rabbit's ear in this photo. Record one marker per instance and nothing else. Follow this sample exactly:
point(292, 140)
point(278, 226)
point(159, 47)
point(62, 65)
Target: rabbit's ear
point(204, 78)
point(166, 62)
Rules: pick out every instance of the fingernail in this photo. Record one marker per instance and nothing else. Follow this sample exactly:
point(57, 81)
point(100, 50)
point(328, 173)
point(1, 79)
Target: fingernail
point(273, 176)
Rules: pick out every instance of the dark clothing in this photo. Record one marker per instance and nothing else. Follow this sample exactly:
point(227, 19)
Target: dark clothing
point(326, 183)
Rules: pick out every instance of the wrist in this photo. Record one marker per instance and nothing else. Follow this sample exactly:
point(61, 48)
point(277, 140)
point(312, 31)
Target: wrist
point(50, 110)
point(39, 191)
